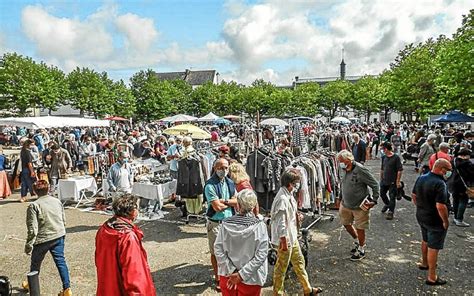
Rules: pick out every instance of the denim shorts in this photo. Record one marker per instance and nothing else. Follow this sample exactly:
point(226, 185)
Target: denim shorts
point(434, 238)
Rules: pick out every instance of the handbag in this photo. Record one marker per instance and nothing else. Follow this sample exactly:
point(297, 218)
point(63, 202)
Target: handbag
point(469, 189)
point(272, 255)
point(5, 286)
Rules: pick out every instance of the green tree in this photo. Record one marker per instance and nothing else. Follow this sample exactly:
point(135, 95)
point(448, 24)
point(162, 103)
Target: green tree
point(334, 96)
point(90, 92)
point(387, 103)
point(307, 99)
point(25, 84)
point(257, 97)
point(205, 99)
point(55, 88)
point(368, 94)
point(229, 93)
point(124, 101)
point(412, 78)
point(454, 81)
point(182, 100)
point(17, 76)
point(155, 99)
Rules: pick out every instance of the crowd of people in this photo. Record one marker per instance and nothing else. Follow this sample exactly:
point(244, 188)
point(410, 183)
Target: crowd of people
point(239, 242)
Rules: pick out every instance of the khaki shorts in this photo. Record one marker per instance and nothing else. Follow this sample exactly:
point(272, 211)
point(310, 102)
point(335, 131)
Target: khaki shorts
point(358, 217)
point(212, 231)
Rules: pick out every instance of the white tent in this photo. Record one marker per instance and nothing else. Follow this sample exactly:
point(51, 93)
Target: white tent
point(209, 117)
point(340, 120)
point(179, 118)
point(52, 121)
point(274, 122)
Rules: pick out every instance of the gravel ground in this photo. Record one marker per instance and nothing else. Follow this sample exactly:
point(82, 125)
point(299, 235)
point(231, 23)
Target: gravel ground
point(179, 258)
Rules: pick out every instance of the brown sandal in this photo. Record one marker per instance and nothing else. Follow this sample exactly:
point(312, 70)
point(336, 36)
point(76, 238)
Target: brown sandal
point(421, 267)
point(315, 291)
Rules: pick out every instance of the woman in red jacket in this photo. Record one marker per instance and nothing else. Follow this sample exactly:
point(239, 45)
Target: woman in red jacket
point(241, 179)
point(120, 259)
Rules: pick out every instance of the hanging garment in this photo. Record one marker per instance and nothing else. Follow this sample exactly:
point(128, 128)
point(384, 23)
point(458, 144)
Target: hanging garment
point(189, 178)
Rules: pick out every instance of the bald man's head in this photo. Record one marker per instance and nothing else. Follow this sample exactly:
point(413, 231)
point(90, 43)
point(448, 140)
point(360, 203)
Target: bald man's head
point(221, 163)
point(442, 163)
point(441, 166)
point(221, 167)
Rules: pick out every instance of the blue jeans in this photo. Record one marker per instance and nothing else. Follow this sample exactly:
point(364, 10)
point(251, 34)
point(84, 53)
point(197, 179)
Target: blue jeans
point(460, 200)
point(56, 248)
point(392, 193)
point(26, 183)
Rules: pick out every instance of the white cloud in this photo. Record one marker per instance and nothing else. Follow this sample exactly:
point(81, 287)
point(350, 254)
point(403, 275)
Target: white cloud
point(140, 32)
point(372, 32)
point(270, 32)
point(65, 39)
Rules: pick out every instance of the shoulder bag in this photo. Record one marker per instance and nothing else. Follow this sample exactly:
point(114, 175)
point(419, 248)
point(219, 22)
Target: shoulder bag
point(469, 189)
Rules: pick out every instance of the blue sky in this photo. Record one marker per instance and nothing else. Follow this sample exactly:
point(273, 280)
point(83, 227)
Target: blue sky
point(243, 40)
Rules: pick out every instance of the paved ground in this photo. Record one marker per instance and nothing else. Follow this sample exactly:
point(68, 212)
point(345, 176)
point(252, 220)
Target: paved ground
point(179, 258)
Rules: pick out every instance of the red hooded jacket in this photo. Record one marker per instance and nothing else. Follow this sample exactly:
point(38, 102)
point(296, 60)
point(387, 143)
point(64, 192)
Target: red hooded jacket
point(121, 260)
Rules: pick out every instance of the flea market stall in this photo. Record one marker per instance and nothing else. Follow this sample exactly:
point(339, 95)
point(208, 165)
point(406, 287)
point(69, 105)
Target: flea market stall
point(13, 153)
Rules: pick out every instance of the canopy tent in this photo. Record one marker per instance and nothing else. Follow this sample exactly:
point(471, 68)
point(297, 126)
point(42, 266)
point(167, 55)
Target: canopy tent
point(188, 129)
point(222, 121)
point(340, 120)
point(209, 117)
point(455, 116)
point(179, 118)
point(274, 122)
point(231, 117)
point(116, 118)
point(303, 118)
point(52, 121)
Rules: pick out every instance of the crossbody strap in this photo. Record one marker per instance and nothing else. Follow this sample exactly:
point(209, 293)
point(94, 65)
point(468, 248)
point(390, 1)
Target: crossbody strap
point(462, 179)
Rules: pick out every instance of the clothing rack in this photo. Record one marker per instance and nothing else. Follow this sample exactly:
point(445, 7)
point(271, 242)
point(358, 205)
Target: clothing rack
point(317, 210)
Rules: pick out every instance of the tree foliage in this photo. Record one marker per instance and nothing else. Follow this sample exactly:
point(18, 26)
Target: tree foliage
point(26, 84)
point(368, 95)
point(454, 82)
point(90, 91)
point(334, 96)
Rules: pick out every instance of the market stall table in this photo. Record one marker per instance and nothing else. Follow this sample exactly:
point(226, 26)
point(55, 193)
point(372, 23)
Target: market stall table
point(156, 192)
point(75, 188)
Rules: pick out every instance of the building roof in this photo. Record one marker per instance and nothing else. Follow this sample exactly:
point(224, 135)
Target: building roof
point(171, 76)
point(328, 79)
point(191, 77)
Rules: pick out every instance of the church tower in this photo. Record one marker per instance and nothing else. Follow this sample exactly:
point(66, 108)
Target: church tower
point(343, 67)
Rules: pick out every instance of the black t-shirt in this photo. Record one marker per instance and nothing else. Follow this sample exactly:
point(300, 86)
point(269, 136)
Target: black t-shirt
point(430, 189)
point(26, 157)
point(390, 167)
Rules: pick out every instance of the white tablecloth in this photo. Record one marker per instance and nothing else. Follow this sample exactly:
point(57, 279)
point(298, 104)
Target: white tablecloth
point(71, 188)
point(156, 192)
point(151, 191)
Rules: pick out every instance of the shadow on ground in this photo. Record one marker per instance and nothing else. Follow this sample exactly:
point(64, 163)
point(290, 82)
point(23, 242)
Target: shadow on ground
point(188, 279)
point(81, 228)
point(172, 232)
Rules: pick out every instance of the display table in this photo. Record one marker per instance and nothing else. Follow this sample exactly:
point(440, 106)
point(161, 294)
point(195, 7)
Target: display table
point(155, 192)
point(75, 188)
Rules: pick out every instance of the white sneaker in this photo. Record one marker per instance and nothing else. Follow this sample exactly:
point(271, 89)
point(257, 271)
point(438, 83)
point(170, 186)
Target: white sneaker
point(461, 223)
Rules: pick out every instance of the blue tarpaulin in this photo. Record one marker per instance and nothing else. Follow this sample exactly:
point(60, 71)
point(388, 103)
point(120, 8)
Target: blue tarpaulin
point(455, 116)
